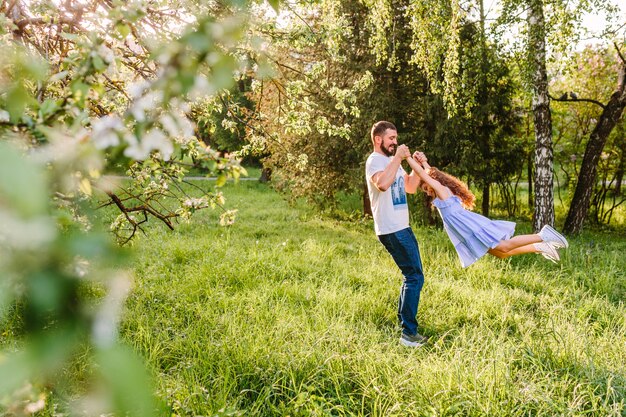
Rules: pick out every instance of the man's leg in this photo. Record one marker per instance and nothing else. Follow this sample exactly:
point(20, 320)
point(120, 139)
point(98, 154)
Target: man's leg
point(403, 247)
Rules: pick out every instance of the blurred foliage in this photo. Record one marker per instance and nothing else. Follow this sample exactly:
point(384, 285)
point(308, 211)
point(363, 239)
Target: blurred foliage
point(121, 77)
point(61, 294)
point(83, 88)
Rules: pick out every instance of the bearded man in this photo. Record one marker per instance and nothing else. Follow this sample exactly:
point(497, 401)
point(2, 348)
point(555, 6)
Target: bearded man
point(387, 185)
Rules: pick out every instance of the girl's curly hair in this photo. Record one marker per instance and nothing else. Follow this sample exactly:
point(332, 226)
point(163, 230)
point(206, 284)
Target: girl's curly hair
point(458, 187)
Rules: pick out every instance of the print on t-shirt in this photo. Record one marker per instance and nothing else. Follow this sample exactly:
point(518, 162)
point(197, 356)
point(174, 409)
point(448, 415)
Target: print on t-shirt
point(398, 194)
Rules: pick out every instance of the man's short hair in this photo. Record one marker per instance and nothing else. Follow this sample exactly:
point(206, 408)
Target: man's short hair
point(380, 127)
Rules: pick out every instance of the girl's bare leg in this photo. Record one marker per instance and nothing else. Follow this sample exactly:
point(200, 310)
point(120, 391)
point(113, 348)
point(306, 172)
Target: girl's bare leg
point(517, 242)
point(517, 251)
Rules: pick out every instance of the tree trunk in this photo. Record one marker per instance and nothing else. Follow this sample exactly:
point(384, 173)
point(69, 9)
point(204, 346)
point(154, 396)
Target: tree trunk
point(589, 169)
point(367, 204)
point(485, 204)
point(544, 197)
point(619, 175)
point(266, 175)
point(531, 200)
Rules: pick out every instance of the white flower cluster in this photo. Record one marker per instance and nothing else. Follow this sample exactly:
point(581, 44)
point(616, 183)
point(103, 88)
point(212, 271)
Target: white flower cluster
point(165, 126)
point(26, 234)
point(196, 203)
point(154, 139)
point(201, 88)
point(106, 54)
point(149, 101)
point(106, 131)
point(177, 124)
point(228, 218)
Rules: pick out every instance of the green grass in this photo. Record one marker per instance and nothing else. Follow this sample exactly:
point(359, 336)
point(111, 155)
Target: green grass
point(288, 313)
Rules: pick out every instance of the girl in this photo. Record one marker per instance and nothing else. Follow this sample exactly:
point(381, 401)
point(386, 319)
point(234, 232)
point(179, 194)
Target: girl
point(474, 235)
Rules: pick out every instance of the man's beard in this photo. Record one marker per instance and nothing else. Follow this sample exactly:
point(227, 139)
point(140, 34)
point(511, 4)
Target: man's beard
point(389, 151)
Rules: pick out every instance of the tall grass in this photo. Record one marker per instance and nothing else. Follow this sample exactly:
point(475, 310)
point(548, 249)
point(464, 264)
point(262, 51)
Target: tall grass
point(291, 313)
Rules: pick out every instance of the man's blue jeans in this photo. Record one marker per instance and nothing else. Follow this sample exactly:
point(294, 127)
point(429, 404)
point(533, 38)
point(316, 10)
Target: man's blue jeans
point(403, 248)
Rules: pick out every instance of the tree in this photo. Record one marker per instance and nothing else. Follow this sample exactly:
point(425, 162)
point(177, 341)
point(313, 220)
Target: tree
point(611, 113)
point(544, 196)
point(69, 104)
point(308, 115)
point(102, 84)
point(557, 24)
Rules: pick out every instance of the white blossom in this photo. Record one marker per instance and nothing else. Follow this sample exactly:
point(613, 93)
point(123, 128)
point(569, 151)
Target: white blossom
point(106, 54)
point(149, 101)
point(155, 139)
point(136, 90)
point(201, 87)
point(178, 126)
point(105, 131)
point(26, 234)
point(33, 407)
point(195, 202)
point(107, 319)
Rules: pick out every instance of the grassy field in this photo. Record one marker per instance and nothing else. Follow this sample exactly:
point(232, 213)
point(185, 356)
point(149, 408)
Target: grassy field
point(288, 313)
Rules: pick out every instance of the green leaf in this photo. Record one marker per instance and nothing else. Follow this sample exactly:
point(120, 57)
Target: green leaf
point(127, 381)
point(58, 76)
point(198, 41)
point(17, 100)
point(222, 72)
point(42, 357)
point(22, 183)
point(221, 180)
point(80, 90)
point(15, 370)
point(123, 30)
point(47, 108)
point(98, 63)
point(275, 4)
point(69, 36)
point(187, 80)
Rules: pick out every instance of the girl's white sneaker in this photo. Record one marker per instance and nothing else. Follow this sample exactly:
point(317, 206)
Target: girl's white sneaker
point(548, 234)
point(548, 251)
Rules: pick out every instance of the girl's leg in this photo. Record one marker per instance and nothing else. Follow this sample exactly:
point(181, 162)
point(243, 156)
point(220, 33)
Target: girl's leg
point(517, 251)
point(517, 242)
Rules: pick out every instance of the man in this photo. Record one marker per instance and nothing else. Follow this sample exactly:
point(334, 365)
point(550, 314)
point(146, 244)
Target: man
point(388, 184)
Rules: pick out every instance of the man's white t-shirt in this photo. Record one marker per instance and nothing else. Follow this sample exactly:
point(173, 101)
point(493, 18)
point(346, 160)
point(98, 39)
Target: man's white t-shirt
point(390, 209)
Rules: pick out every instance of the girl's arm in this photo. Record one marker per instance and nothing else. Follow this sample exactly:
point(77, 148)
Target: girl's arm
point(441, 191)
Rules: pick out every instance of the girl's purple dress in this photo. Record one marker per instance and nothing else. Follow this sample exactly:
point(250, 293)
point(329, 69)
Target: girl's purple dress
point(471, 233)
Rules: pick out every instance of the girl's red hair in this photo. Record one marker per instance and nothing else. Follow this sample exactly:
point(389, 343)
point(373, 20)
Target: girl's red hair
point(458, 187)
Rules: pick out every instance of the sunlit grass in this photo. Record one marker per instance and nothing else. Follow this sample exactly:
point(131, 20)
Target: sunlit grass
point(292, 313)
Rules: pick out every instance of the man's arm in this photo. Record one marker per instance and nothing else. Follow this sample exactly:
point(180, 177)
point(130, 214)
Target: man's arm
point(383, 179)
point(411, 182)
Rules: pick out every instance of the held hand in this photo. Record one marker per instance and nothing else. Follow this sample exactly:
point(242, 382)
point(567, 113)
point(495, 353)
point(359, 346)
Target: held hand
point(420, 157)
point(403, 152)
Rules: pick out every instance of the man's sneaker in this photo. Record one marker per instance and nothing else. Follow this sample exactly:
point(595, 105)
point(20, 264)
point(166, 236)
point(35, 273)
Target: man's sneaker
point(416, 340)
point(548, 251)
point(548, 234)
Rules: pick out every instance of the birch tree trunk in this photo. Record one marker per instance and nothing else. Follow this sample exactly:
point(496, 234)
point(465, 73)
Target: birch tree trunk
point(544, 196)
